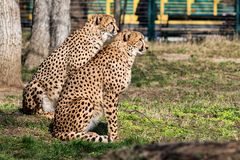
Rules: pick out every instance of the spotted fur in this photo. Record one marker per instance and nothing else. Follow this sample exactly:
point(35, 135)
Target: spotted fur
point(42, 92)
point(94, 90)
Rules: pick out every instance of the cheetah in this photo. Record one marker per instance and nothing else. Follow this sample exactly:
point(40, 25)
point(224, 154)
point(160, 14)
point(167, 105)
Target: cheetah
point(42, 92)
point(94, 90)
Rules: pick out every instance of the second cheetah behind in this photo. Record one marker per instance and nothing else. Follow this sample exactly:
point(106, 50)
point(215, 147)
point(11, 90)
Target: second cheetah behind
point(42, 92)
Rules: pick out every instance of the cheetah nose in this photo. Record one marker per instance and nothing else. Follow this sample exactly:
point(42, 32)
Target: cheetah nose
point(146, 47)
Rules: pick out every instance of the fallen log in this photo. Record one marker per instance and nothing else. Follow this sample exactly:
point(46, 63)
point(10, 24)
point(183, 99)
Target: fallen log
point(178, 151)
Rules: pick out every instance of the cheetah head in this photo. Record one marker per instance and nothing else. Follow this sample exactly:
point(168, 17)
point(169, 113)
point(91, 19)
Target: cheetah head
point(106, 24)
point(134, 41)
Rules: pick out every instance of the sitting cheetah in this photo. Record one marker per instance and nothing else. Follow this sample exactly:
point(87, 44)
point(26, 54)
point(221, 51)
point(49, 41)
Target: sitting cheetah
point(41, 94)
point(94, 89)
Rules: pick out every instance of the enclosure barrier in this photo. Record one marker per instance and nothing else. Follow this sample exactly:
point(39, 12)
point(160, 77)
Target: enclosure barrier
point(157, 17)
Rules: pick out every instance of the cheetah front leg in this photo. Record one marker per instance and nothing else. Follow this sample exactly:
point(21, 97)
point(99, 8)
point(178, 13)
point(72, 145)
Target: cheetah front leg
point(34, 99)
point(110, 102)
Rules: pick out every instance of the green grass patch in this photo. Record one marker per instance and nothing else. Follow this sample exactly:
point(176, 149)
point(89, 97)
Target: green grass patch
point(8, 107)
point(27, 73)
point(28, 147)
point(201, 120)
point(168, 101)
point(193, 73)
point(211, 46)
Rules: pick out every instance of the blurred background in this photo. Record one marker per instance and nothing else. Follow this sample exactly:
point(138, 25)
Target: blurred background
point(157, 19)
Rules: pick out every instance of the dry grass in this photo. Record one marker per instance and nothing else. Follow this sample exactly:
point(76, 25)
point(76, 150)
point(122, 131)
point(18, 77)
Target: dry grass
point(211, 46)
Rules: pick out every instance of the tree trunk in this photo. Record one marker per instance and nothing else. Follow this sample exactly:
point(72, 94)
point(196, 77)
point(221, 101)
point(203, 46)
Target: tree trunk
point(60, 22)
point(51, 25)
point(178, 151)
point(40, 39)
point(10, 44)
point(123, 13)
point(117, 12)
point(78, 13)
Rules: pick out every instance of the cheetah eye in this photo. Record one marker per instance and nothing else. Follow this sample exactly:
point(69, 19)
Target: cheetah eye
point(139, 43)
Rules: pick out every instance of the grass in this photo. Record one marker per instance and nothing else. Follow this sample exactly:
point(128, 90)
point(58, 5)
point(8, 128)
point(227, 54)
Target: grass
point(27, 73)
point(168, 101)
point(211, 46)
point(31, 148)
point(167, 122)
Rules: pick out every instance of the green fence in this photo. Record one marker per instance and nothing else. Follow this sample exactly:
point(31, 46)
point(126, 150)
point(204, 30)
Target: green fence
point(156, 17)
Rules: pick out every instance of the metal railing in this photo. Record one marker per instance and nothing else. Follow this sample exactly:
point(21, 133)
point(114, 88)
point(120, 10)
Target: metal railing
point(155, 17)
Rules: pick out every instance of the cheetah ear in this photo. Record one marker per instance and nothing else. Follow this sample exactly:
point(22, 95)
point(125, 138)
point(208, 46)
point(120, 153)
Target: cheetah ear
point(98, 20)
point(126, 36)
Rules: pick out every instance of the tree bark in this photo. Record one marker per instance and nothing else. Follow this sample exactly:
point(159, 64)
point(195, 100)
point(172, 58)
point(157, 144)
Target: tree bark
point(60, 22)
point(78, 13)
point(40, 39)
point(51, 25)
point(10, 44)
point(178, 151)
point(117, 12)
